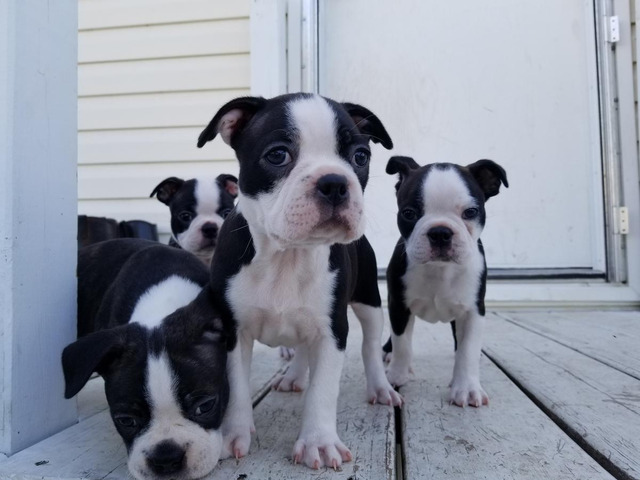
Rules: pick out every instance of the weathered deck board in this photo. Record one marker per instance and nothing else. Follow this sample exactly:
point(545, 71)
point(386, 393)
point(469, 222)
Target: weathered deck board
point(92, 449)
point(600, 404)
point(610, 337)
point(509, 439)
point(578, 365)
point(368, 430)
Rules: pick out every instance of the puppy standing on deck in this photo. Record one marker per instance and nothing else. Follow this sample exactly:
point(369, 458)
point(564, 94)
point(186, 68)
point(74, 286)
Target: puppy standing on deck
point(198, 208)
point(438, 270)
point(292, 257)
point(150, 330)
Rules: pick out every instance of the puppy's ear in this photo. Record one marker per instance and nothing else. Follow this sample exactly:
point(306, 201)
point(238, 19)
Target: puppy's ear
point(402, 166)
point(489, 175)
point(228, 183)
point(231, 119)
point(89, 354)
point(167, 188)
point(368, 124)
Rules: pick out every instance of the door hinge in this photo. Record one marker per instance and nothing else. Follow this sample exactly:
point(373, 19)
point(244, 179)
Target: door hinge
point(621, 216)
point(612, 29)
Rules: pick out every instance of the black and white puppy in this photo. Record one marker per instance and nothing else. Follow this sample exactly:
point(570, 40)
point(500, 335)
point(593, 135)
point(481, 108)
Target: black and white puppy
point(148, 327)
point(198, 207)
point(438, 271)
point(292, 256)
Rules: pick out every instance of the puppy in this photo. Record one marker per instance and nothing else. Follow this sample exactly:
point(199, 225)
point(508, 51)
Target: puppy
point(438, 270)
point(198, 208)
point(292, 256)
point(150, 330)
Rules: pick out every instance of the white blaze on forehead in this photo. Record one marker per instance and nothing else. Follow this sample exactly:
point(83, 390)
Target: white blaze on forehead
point(161, 387)
point(163, 299)
point(207, 195)
point(445, 192)
point(316, 123)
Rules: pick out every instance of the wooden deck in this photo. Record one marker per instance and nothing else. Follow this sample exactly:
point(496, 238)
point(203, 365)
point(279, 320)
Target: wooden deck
point(564, 393)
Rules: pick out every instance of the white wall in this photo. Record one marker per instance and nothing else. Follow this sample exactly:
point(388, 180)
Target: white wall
point(151, 74)
point(37, 216)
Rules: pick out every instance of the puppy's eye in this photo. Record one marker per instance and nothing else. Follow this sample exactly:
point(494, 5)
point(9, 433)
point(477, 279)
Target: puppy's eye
point(361, 158)
point(225, 213)
point(470, 213)
point(278, 157)
point(409, 214)
point(127, 421)
point(205, 406)
point(185, 216)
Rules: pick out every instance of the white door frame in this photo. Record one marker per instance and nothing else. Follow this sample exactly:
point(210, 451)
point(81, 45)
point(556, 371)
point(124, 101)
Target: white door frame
point(296, 24)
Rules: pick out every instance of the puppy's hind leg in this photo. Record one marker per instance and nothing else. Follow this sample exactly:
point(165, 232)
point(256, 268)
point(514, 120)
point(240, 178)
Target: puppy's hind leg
point(399, 368)
point(367, 306)
point(295, 378)
point(379, 390)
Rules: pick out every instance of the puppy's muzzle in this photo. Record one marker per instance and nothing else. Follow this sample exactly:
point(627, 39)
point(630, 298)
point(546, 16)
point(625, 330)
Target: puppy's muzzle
point(209, 231)
point(440, 237)
point(333, 189)
point(167, 457)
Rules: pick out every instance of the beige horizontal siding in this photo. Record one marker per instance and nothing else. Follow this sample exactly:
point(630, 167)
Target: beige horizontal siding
point(151, 74)
point(165, 75)
point(221, 37)
point(94, 14)
point(173, 145)
point(182, 109)
point(129, 181)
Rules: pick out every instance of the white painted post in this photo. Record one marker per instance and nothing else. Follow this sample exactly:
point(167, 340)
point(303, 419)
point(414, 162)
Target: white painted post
point(38, 211)
point(268, 23)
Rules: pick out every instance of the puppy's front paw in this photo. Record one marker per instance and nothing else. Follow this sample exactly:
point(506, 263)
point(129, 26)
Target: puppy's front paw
point(287, 353)
point(319, 450)
point(384, 394)
point(398, 375)
point(236, 442)
point(289, 382)
point(467, 391)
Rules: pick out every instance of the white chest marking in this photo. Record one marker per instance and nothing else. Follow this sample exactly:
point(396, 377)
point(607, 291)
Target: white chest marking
point(284, 297)
point(442, 292)
point(163, 299)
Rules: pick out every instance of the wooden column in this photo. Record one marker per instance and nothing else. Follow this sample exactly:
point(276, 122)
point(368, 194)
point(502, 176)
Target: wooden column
point(38, 211)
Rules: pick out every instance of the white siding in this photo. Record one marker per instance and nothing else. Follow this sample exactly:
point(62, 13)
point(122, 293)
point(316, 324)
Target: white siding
point(151, 74)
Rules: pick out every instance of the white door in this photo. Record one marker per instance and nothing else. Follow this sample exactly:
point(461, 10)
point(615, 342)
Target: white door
point(512, 81)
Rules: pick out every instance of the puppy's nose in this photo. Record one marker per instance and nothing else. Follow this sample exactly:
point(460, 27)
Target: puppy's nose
point(333, 188)
point(440, 236)
point(209, 230)
point(167, 457)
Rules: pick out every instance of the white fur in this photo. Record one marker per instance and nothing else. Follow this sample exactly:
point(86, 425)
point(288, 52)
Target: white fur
point(163, 299)
point(202, 447)
point(442, 291)
point(207, 195)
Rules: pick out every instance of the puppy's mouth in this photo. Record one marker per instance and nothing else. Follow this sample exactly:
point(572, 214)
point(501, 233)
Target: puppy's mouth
point(207, 244)
point(443, 257)
point(436, 256)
